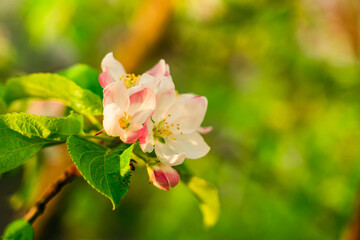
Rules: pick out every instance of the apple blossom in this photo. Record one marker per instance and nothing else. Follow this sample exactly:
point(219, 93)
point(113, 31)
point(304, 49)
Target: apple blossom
point(157, 78)
point(163, 176)
point(125, 115)
point(172, 130)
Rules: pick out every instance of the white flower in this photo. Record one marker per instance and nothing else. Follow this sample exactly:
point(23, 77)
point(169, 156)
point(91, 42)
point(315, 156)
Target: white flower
point(172, 130)
point(125, 115)
point(157, 78)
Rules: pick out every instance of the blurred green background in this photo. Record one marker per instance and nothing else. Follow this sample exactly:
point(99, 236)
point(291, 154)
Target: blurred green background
point(282, 79)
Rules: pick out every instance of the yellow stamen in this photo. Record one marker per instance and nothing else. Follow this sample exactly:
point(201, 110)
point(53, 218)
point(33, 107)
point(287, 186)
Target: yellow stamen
point(124, 121)
point(129, 80)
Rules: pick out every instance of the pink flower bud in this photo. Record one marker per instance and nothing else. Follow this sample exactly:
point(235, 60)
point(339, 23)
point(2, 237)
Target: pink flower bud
point(163, 176)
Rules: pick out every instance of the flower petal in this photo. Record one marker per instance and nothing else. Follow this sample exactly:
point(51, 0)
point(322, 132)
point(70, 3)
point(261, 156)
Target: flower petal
point(193, 112)
point(132, 133)
point(160, 69)
point(112, 66)
point(171, 174)
point(112, 113)
point(165, 84)
point(105, 79)
point(167, 155)
point(205, 130)
point(165, 100)
point(193, 145)
point(159, 179)
point(163, 176)
point(142, 105)
point(146, 81)
point(116, 93)
point(196, 108)
point(146, 141)
point(157, 85)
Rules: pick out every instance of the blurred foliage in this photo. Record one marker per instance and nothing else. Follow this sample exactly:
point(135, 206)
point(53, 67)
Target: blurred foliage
point(282, 82)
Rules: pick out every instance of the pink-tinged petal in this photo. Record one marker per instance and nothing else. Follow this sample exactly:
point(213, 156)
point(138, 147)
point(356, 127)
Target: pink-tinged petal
point(161, 69)
point(112, 113)
point(132, 133)
point(196, 107)
point(204, 130)
point(167, 155)
point(157, 85)
point(112, 66)
point(146, 141)
point(164, 107)
point(116, 93)
point(193, 145)
point(173, 176)
point(163, 176)
point(146, 81)
point(159, 179)
point(165, 84)
point(105, 79)
point(142, 105)
point(194, 110)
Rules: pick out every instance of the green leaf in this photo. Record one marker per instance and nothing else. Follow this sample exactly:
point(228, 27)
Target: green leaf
point(53, 86)
point(205, 192)
point(19, 230)
point(84, 76)
point(106, 171)
point(22, 135)
point(30, 125)
point(15, 148)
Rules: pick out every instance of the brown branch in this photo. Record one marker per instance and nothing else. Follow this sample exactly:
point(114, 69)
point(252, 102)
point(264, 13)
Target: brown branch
point(69, 175)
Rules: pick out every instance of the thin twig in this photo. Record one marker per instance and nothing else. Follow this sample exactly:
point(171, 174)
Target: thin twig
point(50, 193)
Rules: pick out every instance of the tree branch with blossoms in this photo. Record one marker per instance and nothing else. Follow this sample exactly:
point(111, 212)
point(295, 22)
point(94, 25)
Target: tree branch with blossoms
point(144, 118)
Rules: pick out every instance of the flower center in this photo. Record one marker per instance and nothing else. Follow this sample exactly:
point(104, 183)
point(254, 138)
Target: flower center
point(124, 121)
point(162, 130)
point(129, 80)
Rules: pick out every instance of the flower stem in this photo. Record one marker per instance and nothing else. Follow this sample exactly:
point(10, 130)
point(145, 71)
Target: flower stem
point(138, 157)
point(145, 157)
point(68, 176)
